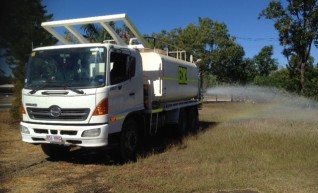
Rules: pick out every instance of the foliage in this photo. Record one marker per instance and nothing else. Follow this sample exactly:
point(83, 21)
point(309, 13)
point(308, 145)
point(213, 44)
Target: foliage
point(210, 42)
point(311, 82)
point(230, 67)
point(5, 79)
point(221, 58)
point(22, 20)
point(97, 34)
point(264, 61)
point(279, 79)
point(283, 79)
point(209, 80)
point(297, 25)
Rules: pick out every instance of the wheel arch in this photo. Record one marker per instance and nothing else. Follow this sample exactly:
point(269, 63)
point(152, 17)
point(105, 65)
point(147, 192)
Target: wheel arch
point(139, 119)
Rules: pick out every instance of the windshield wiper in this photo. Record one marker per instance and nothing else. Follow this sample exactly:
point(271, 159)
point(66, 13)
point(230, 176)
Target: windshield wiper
point(36, 89)
point(74, 90)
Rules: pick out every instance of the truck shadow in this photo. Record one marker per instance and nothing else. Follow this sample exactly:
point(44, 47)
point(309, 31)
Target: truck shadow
point(166, 138)
point(151, 145)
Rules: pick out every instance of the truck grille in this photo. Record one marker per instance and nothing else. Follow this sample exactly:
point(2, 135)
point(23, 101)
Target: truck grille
point(57, 113)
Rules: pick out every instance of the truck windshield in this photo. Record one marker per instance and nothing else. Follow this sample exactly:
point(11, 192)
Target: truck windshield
point(67, 68)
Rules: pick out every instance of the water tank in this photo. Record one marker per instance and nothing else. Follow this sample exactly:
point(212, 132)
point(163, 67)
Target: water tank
point(171, 79)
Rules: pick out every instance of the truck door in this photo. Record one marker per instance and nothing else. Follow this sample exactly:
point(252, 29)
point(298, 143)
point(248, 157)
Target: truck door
point(125, 93)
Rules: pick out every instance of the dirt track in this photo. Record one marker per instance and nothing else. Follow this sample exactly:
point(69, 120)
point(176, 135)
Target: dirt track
point(34, 172)
point(24, 168)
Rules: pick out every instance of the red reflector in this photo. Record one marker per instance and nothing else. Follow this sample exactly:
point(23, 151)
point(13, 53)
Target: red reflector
point(102, 108)
point(22, 109)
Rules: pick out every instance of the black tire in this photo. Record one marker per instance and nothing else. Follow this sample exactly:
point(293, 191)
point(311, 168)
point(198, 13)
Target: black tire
point(193, 119)
point(129, 140)
point(55, 151)
point(182, 123)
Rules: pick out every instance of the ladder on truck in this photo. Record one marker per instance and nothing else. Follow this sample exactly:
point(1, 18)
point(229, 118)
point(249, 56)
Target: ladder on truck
point(104, 21)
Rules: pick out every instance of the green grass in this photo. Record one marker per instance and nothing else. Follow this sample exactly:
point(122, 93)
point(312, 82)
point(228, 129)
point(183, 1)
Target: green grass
point(251, 147)
point(242, 147)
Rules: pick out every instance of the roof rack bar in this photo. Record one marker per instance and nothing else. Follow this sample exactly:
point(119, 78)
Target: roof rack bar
point(83, 21)
point(76, 34)
point(102, 20)
point(113, 33)
point(135, 31)
point(56, 35)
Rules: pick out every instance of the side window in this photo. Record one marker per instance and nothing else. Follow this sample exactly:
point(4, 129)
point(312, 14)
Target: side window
point(131, 66)
point(122, 67)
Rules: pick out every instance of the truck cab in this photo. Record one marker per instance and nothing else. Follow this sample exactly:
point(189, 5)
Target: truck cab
point(87, 90)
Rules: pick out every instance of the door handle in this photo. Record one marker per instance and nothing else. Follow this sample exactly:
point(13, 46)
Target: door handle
point(132, 94)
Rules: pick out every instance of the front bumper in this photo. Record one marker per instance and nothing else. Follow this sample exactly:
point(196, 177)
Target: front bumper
point(68, 134)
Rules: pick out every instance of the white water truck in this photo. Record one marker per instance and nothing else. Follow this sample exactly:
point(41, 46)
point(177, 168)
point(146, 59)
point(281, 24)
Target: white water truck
point(98, 94)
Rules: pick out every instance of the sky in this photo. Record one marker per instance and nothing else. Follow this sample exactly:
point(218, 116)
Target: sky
point(240, 16)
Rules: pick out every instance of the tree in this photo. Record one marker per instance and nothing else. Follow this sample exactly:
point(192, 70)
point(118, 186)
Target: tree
point(264, 61)
point(297, 25)
point(219, 53)
point(310, 75)
point(279, 79)
point(21, 31)
point(311, 83)
point(96, 33)
point(227, 63)
point(208, 40)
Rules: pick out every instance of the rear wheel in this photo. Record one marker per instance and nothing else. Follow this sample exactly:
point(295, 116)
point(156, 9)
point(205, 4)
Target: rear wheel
point(55, 151)
point(129, 140)
point(182, 123)
point(193, 119)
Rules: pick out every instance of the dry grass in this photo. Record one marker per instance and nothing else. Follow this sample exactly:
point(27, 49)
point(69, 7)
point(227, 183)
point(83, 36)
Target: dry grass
point(240, 148)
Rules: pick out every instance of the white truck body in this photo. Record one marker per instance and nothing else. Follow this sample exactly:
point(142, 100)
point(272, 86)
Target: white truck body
point(112, 87)
point(163, 72)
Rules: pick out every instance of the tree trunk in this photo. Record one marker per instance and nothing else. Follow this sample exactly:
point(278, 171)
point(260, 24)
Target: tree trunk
point(302, 77)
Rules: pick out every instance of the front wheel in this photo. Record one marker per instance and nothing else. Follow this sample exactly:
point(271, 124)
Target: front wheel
point(129, 140)
point(55, 151)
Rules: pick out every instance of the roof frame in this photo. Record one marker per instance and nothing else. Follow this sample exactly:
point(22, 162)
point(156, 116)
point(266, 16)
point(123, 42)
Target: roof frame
point(102, 20)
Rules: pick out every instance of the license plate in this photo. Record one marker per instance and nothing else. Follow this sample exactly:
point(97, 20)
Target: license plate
point(54, 139)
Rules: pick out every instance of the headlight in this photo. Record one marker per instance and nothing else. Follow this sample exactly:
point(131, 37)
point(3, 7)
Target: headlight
point(91, 133)
point(24, 129)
